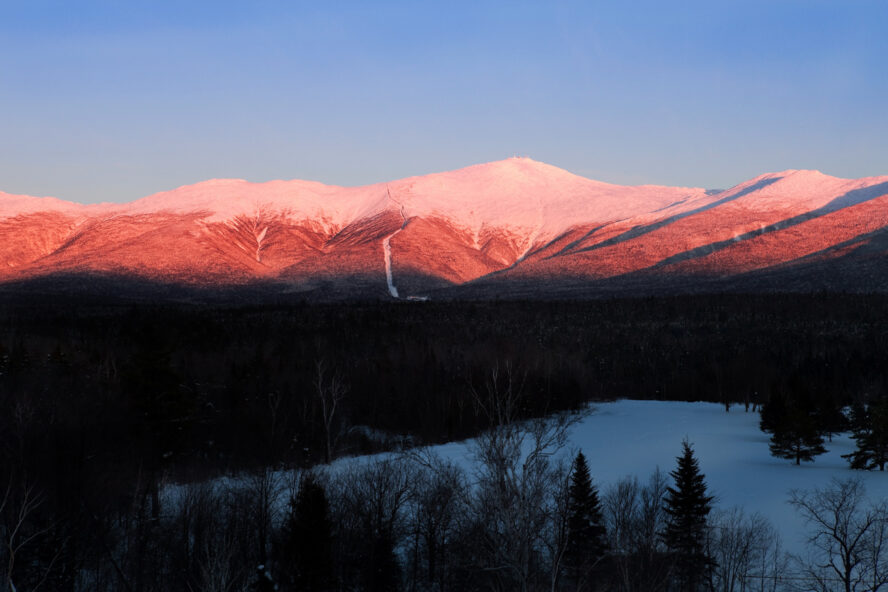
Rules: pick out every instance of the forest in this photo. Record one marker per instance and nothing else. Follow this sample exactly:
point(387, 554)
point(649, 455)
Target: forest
point(122, 421)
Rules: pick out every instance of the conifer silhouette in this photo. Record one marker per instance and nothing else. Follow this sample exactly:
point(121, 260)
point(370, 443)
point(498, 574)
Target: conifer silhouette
point(587, 536)
point(687, 506)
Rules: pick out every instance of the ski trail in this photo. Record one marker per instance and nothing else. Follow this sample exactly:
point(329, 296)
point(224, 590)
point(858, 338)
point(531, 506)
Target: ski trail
point(387, 250)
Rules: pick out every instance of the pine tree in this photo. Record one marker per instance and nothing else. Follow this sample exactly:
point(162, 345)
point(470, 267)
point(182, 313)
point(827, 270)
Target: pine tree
point(587, 536)
point(797, 437)
point(829, 415)
point(687, 506)
point(307, 540)
point(857, 418)
point(871, 435)
point(772, 413)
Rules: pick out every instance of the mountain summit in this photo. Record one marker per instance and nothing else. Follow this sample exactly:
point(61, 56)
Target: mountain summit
point(512, 227)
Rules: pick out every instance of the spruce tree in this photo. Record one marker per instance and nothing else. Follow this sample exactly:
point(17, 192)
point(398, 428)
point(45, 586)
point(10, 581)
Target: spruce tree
point(773, 413)
point(587, 536)
point(857, 418)
point(871, 434)
point(829, 415)
point(687, 506)
point(307, 541)
point(797, 437)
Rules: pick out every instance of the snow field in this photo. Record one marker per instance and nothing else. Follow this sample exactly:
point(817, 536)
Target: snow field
point(629, 438)
point(626, 438)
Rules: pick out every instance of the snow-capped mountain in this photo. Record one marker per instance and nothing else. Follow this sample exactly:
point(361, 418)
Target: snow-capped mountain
point(510, 227)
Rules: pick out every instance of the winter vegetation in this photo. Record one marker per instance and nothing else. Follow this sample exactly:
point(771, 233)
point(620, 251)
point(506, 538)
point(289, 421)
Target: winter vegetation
point(182, 448)
point(518, 508)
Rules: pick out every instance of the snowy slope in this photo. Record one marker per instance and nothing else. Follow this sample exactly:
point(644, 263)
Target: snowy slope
point(627, 438)
point(511, 219)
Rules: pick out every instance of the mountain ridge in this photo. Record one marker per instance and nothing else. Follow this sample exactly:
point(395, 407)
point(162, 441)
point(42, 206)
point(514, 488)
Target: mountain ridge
point(486, 224)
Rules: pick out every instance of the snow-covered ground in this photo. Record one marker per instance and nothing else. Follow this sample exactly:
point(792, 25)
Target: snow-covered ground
point(634, 437)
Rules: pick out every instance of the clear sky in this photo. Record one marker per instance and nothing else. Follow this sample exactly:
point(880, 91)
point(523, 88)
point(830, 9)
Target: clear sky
point(113, 100)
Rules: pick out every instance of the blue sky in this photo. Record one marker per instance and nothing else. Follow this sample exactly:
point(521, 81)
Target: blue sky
point(115, 100)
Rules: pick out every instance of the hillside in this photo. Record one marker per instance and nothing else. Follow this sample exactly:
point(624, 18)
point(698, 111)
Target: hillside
point(492, 230)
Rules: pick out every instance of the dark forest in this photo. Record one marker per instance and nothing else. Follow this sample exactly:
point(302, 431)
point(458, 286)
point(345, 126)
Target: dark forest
point(104, 403)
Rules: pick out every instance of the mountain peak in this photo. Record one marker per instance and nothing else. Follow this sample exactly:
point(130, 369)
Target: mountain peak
point(806, 174)
point(518, 216)
point(517, 167)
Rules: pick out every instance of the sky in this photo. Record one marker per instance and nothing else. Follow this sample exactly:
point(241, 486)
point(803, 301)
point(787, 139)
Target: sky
point(112, 100)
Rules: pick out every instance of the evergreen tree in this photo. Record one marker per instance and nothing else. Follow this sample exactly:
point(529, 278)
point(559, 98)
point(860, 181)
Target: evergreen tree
point(772, 413)
point(687, 506)
point(797, 437)
point(857, 418)
point(587, 536)
point(307, 541)
point(871, 434)
point(829, 416)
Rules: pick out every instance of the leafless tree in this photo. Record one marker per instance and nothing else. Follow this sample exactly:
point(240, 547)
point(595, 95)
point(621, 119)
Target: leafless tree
point(436, 508)
point(216, 559)
point(557, 532)
point(846, 538)
point(741, 548)
point(18, 506)
point(330, 389)
point(772, 572)
point(635, 517)
point(368, 506)
point(207, 547)
point(517, 483)
point(264, 489)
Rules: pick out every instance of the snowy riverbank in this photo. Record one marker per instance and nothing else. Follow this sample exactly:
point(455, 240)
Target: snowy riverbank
point(634, 437)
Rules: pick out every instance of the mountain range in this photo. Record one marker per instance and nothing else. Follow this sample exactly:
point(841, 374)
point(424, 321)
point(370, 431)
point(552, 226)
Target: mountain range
point(512, 228)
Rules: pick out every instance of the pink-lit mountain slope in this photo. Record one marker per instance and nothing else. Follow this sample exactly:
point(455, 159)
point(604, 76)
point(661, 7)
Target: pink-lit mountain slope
point(487, 227)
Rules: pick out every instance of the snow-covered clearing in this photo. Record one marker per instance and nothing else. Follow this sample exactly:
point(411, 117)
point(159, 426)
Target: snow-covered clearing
point(634, 437)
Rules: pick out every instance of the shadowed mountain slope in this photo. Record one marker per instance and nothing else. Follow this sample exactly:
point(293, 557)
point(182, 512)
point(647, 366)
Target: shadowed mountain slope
point(489, 228)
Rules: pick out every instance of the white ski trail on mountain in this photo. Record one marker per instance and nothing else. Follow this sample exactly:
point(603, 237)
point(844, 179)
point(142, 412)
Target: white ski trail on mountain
point(387, 249)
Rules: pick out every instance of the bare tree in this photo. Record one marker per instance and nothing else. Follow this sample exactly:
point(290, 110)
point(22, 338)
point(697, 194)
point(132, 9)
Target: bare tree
point(741, 547)
point(215, 565)
point(19, 532)
point(635, 518)
point(436, 508)
point(264, 488)
point(212, 547)
point(368, 503)
point(517, 483)
point(846, 539)
point(557, 533)
point(771, 572)
point(875, 550)
point(330, 389)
